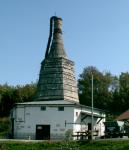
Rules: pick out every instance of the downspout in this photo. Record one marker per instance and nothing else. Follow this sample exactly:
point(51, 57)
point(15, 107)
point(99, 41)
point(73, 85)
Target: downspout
point(50, 36)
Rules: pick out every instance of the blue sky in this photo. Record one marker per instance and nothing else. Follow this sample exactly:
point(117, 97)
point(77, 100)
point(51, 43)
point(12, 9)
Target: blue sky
point(96, 33)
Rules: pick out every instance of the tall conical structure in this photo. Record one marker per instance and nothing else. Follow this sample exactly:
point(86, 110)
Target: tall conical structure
point(57, 76)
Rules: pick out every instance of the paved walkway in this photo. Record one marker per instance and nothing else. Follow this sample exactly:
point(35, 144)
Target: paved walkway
point(23, 140)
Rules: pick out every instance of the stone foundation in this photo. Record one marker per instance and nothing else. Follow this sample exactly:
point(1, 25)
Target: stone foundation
point(53, 136)
point(24, 136)
point(57, 136)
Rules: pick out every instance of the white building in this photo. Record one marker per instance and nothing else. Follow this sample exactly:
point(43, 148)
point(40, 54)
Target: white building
point(56, 108)
point(51, 119)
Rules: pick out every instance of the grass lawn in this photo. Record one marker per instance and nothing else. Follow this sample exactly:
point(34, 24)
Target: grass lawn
point(50, 145)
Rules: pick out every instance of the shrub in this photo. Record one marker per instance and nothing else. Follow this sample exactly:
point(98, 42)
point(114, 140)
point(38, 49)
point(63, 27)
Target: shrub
point(68, 143)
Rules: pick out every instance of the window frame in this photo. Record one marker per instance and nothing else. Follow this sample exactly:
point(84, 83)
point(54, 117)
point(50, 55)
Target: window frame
point(76, 113)
point(60, 109)
point(41, 108)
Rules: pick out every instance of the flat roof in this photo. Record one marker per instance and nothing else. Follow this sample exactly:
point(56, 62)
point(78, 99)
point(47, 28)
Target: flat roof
point(46, 102)
point(58, 102)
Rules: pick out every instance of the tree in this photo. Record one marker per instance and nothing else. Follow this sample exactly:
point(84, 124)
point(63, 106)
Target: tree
point(124, 90)
point(8, 101)
point(101, 84)
point(9, 95)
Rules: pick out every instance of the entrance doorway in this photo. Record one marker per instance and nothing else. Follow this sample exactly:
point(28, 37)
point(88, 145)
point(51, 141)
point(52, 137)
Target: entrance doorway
point(12, 135)
point(89, 128)
point(42, 132)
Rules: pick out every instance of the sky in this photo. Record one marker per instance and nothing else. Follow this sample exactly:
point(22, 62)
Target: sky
point(95, 33)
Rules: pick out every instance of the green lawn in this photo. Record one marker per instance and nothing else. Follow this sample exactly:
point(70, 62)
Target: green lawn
point(49, 145)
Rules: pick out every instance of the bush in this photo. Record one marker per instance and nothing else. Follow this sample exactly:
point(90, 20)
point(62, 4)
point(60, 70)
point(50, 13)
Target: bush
point(4, 127)
point(68, 143)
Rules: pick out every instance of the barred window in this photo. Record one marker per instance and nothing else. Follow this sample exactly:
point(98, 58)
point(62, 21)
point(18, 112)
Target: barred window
point(43, 108)
point(60, 108)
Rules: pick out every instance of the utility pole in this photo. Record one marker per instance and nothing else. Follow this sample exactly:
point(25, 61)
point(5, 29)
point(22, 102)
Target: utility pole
point(92, 109)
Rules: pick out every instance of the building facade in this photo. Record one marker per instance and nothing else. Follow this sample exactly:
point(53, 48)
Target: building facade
point(51, 119)
point(56, 108)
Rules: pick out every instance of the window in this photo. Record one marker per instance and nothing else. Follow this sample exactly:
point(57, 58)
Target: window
point(43, 108)
point(101, 113)
point(76, 114)
point(60, 108)
point(39, 127)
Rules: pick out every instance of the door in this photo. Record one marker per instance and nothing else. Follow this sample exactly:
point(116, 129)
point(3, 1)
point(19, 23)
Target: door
point(42, 132)
point(89, 128)
point(12, 136)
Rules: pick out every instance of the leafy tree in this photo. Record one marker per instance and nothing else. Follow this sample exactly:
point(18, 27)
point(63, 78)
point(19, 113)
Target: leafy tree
point(124, 90)
point(8, 101)
point(101, 84)
point(29, 92)
point(2, 91)
point(9, 95)
point(110, 92)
